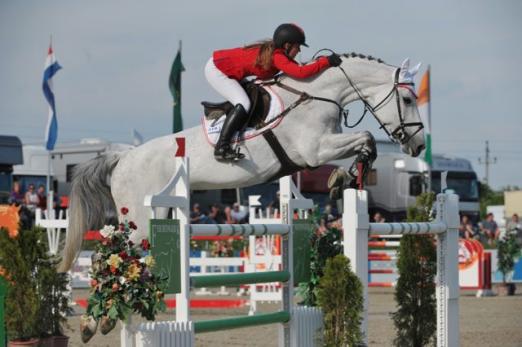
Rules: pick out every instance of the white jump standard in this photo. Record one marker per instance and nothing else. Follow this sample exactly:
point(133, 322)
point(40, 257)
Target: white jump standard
point(297, 324)
point(357, 228)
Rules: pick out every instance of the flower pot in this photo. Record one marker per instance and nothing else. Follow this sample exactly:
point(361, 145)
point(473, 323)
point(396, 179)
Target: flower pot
point(60, 341)
point(506, 289)
point(106, 325)
point(46, 342)
point(27, 343)
point(88, 327)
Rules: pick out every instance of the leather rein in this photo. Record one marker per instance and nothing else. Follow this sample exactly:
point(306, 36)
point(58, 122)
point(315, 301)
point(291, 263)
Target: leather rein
point(398, 134)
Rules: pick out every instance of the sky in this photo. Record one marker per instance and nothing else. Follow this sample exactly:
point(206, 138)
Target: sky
point(116, 58)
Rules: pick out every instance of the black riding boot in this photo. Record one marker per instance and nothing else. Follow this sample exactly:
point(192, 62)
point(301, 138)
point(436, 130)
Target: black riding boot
point(234, 121)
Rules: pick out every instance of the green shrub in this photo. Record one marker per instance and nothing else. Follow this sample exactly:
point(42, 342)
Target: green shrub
point(339, 293)
point(415, 319)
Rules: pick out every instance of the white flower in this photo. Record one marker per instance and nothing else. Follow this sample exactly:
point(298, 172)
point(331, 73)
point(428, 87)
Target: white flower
point(121, 280)
point(107, 231)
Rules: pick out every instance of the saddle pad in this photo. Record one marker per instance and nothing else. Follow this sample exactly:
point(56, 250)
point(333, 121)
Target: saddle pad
point(212, 128)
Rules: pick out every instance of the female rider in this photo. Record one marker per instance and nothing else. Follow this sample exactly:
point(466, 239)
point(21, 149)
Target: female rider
point(263, 60)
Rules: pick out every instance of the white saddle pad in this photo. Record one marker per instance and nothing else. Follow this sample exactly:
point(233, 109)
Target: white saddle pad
point(212, 128)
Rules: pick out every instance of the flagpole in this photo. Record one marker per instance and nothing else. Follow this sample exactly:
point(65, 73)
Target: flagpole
point(50, 215)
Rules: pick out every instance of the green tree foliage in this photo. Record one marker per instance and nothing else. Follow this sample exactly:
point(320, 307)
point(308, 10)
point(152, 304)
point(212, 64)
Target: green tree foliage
point(21, 257)
point(415, 319)
point(323, 247)
point(508, 251)
point(489, 197)
point(54, 302)
point(339, 293)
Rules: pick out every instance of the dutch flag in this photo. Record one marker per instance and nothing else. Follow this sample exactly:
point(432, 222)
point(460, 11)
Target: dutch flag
point(51, 67)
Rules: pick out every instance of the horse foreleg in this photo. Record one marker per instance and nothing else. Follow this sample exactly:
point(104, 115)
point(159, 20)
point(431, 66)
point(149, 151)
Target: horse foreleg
point(342, 146)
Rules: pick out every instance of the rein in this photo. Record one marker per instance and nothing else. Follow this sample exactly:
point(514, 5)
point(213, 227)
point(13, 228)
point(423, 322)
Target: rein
point(398, 134)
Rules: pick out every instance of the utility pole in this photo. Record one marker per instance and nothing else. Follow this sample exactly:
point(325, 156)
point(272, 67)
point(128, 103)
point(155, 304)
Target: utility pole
point(487, 161)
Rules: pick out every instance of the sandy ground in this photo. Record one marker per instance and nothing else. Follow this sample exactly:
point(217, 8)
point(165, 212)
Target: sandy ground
point(493, 321)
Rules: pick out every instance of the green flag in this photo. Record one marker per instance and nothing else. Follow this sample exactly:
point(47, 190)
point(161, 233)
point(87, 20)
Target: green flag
point(175, 90)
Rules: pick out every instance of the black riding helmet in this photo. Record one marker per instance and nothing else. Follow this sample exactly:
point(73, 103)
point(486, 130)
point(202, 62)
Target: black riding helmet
point(290, 33)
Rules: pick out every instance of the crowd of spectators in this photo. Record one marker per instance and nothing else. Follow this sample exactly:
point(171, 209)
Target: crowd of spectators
point(488, 231)
point(218, 214)
point(28, 201)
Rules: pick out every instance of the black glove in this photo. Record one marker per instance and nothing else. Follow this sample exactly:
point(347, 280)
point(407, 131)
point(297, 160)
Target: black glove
point(334, 59)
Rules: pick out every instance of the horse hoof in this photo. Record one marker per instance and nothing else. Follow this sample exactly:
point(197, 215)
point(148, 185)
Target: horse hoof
point(106, 325)
point(337, 178)
point(88, 326)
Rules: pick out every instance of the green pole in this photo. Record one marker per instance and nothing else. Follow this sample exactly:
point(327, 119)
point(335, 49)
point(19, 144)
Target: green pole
point(3, 292)
point(238, 279)
point(241, 322)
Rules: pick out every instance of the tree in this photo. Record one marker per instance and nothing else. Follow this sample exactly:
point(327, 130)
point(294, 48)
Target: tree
point(415, 319)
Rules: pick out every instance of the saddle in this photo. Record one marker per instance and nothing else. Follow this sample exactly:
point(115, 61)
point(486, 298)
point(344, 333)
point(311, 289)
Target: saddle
point(259, 101)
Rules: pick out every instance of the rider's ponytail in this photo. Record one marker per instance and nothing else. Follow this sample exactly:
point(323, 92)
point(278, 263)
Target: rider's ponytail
point(264, 57)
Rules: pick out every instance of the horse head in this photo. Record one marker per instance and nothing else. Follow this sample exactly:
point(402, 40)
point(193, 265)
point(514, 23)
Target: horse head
point(391, 98)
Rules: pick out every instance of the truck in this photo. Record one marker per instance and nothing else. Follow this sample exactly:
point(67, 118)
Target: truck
point(10, 154)
point(462, 179)
point(64, 157)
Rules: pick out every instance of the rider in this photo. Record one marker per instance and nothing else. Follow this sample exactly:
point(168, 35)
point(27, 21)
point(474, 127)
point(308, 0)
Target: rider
point(263, 60)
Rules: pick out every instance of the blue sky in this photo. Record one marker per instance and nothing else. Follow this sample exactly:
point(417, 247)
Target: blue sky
point(116, 57)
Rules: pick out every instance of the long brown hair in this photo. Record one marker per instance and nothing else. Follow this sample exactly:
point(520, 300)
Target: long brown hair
point(264, 57)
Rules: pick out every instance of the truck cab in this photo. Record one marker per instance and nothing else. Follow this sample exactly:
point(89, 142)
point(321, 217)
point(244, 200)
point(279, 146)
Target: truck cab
point(10, 154)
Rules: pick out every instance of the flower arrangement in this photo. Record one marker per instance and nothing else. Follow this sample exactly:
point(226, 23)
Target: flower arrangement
point(122, 281)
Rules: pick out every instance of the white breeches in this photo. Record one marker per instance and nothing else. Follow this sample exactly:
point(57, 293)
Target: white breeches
point(227, 87)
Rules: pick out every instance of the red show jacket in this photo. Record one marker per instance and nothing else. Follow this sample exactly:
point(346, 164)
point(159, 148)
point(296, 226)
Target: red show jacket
point(238, 63)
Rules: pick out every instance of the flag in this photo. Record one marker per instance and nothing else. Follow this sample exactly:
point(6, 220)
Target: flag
point(423, 103)
point(51, 67)
point(175, 90)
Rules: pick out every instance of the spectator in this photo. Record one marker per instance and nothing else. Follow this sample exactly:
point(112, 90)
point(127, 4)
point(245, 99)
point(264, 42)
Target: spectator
point(489, 228)
point(275, 204)
point(378, 218)
point(42, 197)
point(216, 216)
point(466, 228)
point(196, 217)
point(228, 216)
point(16, 197)
point(514, 227)
point(31, 198)
point(238, 214)
point(328, 213)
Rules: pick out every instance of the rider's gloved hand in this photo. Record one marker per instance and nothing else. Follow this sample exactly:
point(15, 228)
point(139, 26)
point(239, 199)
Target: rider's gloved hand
point(334, 59)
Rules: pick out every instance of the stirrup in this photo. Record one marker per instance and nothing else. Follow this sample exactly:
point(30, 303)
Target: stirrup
point(229, 155)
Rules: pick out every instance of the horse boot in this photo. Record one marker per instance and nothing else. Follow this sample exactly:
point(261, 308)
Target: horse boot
point(233, 122)
point(366, 159)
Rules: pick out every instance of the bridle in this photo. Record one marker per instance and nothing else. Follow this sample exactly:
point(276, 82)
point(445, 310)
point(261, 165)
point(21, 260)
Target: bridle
point(398, 134)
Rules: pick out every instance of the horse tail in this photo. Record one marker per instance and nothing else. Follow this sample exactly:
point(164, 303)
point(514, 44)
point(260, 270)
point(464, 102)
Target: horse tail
point(91, 204)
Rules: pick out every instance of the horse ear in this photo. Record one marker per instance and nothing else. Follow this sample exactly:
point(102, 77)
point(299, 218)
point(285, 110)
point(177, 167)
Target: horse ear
point(415, 69)
point(405, 64)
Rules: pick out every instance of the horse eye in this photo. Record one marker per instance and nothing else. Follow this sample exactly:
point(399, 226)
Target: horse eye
point(407, 101)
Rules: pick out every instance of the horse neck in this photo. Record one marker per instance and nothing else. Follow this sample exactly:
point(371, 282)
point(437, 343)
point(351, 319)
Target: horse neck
point(371, 78)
